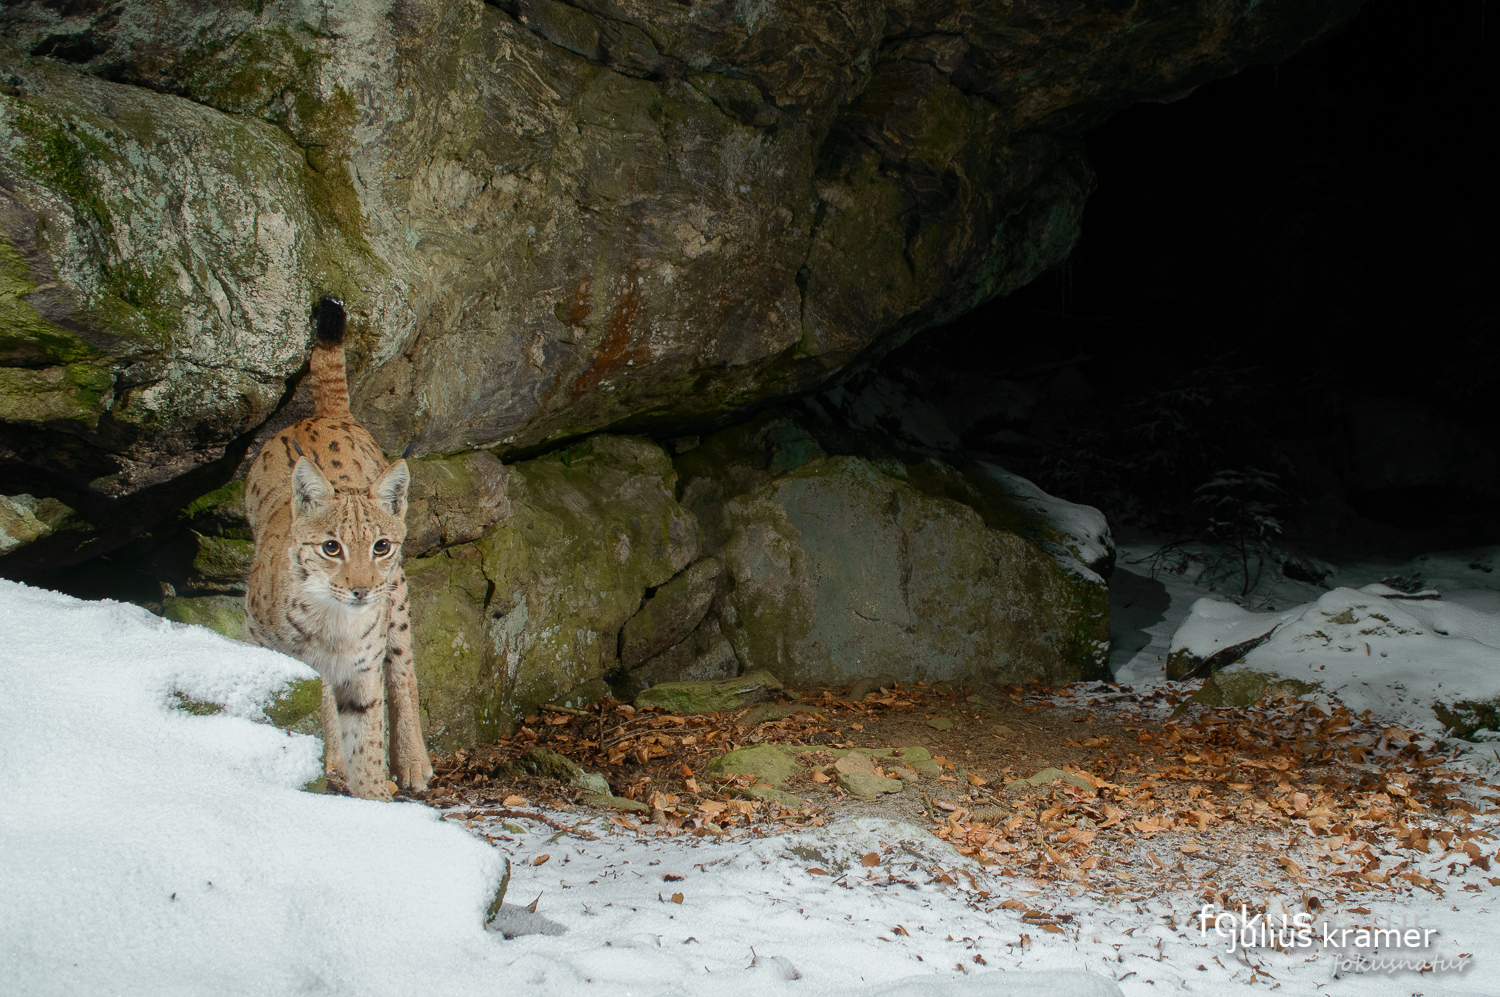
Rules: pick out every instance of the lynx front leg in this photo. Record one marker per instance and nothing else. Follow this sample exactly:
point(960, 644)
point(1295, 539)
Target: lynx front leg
point(361, 722)
point(333, 740)
point(410, 763)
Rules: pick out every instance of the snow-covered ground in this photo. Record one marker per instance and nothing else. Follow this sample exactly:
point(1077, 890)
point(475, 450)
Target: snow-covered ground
point(1459, 629)
point(150, 851)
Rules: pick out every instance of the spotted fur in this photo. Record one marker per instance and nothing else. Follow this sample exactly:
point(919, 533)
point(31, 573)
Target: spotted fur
point(326, 586)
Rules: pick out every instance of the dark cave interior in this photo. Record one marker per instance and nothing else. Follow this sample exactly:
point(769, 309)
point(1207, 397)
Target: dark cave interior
point(1285, 289)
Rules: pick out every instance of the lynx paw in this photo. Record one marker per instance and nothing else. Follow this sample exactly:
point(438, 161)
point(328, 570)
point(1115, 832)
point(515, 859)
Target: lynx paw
point(413, 774)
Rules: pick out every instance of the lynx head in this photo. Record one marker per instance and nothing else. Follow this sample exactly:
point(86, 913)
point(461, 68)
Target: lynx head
point(346, 546)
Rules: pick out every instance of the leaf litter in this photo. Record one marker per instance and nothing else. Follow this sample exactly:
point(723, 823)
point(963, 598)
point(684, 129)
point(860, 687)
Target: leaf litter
point(1286, 805)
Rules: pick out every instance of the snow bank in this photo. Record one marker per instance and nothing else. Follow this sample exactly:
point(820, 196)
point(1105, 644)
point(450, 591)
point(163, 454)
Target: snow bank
point(1397, 657)
point(1214, 626)
point(150, 851)
point(1079, 531)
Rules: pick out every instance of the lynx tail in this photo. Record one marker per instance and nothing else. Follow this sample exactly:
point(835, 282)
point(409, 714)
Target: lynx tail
point(330, 387)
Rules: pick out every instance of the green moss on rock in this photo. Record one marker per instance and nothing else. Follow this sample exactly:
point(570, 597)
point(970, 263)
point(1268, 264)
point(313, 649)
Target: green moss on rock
point(764, 761)
point(295, 702)
point(223, 614)
point(77, 392)
point(1243, 687)
point(711, 697)
point(1465, 718)
point(223, 561)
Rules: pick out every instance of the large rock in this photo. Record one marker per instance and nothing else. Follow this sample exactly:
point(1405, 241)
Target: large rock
point(534, 610)
point(25, 519)
point(454, 500)
point(842, 570)
point(546, 218)
point(671, 613)
point(705, 655)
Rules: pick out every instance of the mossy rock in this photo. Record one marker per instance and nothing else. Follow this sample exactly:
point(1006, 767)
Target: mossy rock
point(1465, 718)
point(459, 702)
point(589, 692)
point(223, 614)
point(220, 512)
point(914, 757)
point(868, 786)
point(548, 764)
point(670, 614)
point(25, 519)
point(608, 802)
point(222, 561)
point(288, 708)
point(711, 697)
point(593, 528)
point(295, 702)
point(764, 761)
point(1048, 776)
point(771, 794)
point(1243, 687)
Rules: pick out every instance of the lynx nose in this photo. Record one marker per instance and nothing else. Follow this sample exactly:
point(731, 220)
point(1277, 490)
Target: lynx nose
point(360, 593)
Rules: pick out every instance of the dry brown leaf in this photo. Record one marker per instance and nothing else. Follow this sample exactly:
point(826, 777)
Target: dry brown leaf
point(870, 858)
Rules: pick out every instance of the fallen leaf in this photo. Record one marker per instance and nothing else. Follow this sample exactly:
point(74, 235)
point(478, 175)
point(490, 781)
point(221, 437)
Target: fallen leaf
point(819, 777)
point(870, 858)
point(540, 859)
point(514, 801)
point(815, 871)
point(677, 898)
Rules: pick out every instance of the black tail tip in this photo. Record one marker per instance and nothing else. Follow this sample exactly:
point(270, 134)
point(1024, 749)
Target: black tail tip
point(331, 320)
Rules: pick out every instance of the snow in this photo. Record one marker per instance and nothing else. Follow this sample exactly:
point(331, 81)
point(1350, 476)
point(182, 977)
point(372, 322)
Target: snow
point(1084, 530)
point(150, 851)
point(1369, 644)
point(1214, 625)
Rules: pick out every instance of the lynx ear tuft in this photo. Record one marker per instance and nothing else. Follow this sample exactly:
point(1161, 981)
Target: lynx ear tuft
point(391, 487)
point(310, 490)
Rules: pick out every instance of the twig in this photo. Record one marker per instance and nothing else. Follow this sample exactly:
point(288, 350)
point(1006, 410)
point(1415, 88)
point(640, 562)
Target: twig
point(570, 711)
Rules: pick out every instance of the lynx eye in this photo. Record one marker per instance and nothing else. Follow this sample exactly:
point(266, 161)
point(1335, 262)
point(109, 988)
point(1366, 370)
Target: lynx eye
point(382, 547)
point(332, 548)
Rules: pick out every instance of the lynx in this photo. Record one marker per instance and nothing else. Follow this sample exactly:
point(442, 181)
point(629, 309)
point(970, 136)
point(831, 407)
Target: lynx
point(326, 586)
